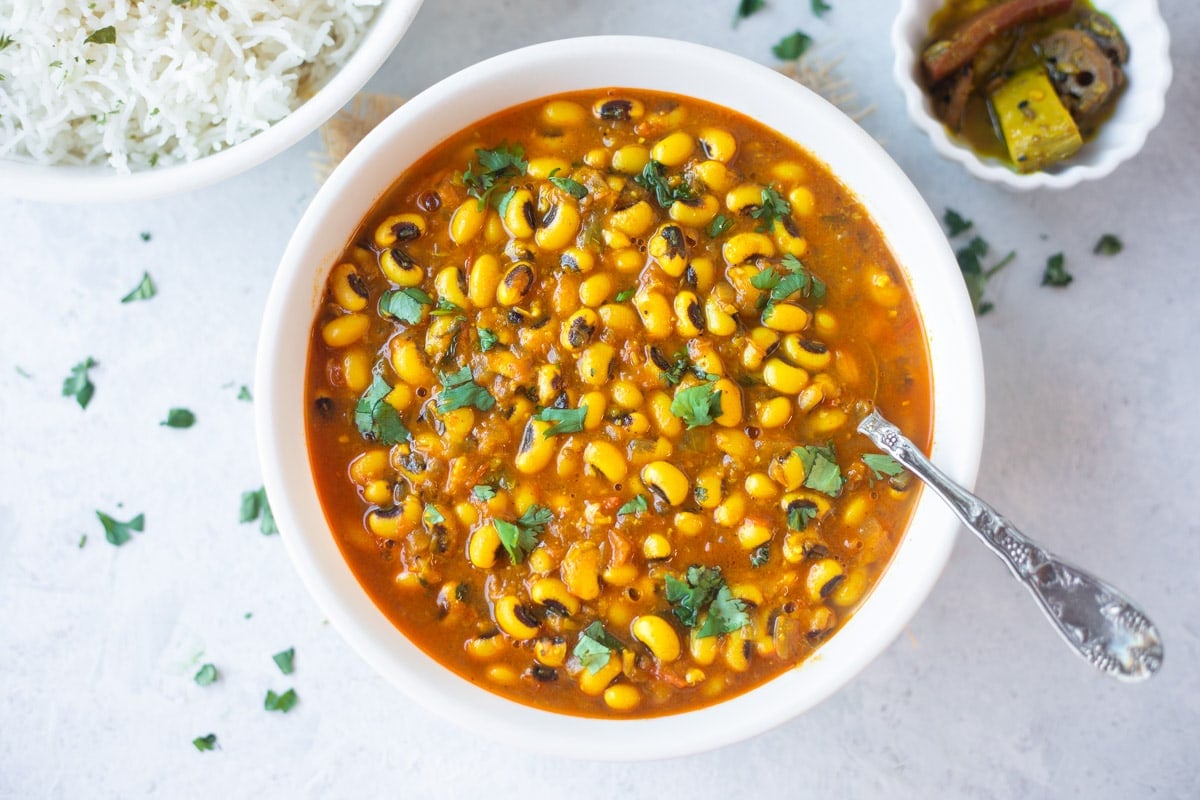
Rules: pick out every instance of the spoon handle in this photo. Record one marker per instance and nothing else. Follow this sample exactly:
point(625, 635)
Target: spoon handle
point(1097, 620)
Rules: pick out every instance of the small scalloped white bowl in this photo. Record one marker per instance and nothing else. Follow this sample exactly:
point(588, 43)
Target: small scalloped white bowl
point(99, 184)
point(912, 232)
point(1138, 110)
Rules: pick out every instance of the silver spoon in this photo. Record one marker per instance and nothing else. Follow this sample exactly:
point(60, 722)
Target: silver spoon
point(1097, 620)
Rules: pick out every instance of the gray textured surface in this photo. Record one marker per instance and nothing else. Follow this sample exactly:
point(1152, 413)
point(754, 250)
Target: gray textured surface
point(1092, 445)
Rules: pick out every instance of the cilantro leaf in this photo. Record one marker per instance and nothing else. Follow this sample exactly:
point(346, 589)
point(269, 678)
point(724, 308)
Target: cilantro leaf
point(566, 420)
point(1108, 245)
point(282, 703)
point(726, 614)
point(819, 7)
point(143, 291)
point(705, 588)
point(882, 465)
point(406, 305)
point(792, 46)
point(624, 295)
point(461, 391)
point(105, 35)
point(675, 374)
point(720, 223)
point(118, 533)
point(766, 280)
point(955, 223)
point(78, 384)
point(821, 471)
point(976, 277)
point(571, 187)
point(772, 207)
point(595, 647)
point(483, 492)
point(179, 418)
point(697, 405)
point(285, 660)
point(432, 516)
point(635, 506)
point(244, 394)
point(761, 555)
point(376, 418)
point(520, 537)
point(207, 675)
point(494, 166)
point(444, 308)
point(206, 742)
point(746, 8)
point(800, 513)
point(653, 178)
point(1055, 273)
point(487, 339)
point(255, 506)
point(800, 280)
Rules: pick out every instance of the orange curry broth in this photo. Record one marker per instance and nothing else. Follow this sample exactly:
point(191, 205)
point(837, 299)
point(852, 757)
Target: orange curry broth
point(405, 515)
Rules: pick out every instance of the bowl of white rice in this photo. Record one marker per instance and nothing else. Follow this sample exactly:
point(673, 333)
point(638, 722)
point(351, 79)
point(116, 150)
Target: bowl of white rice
point(131, 100)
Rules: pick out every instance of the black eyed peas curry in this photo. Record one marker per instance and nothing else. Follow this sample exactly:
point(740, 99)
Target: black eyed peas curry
point(582, 398)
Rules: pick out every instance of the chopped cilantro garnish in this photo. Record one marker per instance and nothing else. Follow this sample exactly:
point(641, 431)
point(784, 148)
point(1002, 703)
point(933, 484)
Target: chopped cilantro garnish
point(595, 647)
point(285, 660)
point(566, 420)
point(821, 471)
point(792, 46)
point(118, 533)
point(143, 291)
point(206, 676)
point(105, 35)
point(705, 588)
point(255, 506)
point(772, 207)
point(675, 374)
point(1109, 245)
point(78, 384)
point(179, 418)
point(406, 305)
point(432, 516)
point(635, 506)
point(624, 295)
point(376, 418)
point(520, 537)
point(697, 405)
point(483, 492)
point(282, 703)
point(761, 555)
point(496, 165)
point(1055, 273)
point(720, 223)
point(571, 187)
point(666, 192)
point(819, 7)
point(445, 308)
point(955, 223)
point(487, 339)
point(800, 513)
point(882, 465)
point(461, 391)
point(206, 742)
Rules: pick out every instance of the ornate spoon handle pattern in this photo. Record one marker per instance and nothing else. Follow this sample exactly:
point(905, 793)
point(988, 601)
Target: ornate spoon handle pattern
point(1097, 620)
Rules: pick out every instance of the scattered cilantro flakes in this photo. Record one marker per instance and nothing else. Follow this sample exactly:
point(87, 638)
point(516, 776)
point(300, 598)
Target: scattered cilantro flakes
point(882, 465)
point(461, 391)
point(244, 394)
point(143, 291)
point(5, 41)
point(484, 176)
point(1108, 245)
point(145, 235)
point(106, 35)
point(571, 187)
point(821, 470)
point(595, 647)
point(487, 339)
point(1056, 273)
point(406, 305)
point(82, 541)
point(792, 46)
point(205, 743)
point(118, 533)
point(207, 675)
point(819, 7)
point(520, 537)
point(255, 506)
point(976, 277)
point(282, 703)
point(761, 555)
point(483, 492)
point(179, 418)
point(623, 295)
point(697, 405)
point(566, 420)
point(635, 506)
point(772, 207)
point(285, 660)
point(21, 371)
point(654, 179)
point(704, 588)
point(376, 418)
point(78, 384)
point(956, 223)
point(720, 223)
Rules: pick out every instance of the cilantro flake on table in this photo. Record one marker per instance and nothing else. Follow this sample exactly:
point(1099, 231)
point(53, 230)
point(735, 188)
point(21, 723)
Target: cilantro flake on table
point(118, 533)
point(244, 394)
point(256, 506)
point(970, 263)
point(1108, 245)
point(207, 675)
point(956, 223)
point(595, 647)
point(282, 703)
point(792, 46)
point(143, 291)
point(820, 7)
point(1056, 273)
point(79, 384)
point(179, 418)
point(205, 743)
point(285, 660)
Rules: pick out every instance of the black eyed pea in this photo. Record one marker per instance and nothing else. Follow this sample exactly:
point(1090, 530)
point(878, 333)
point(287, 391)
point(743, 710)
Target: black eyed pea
point(673, 149)
point(720, 316)
point(595, 683)
point(806, 353)
point(741, 247)
point(695, 212)
point(580, 570)
point(545, 166)
point(408, 362)
point(536, 449)
point(718, 144)
point(348, 287)
point(553, 594)
point(744, 198)
point(559, 226)
point(630, 159)
point(483, 545)
point(715, 175)
point(563, 113)
point(618, 109)
point(399, 228)
point(785, 317)
point(577, 259)
point(596, 289)
point(850, 590)
point(753, 532)
point(731, 403)
point(451, 284)
point(579, 329)
point(737, 650)
point(668, 246)
point(622, 697)
point(345, 330)
point(783, 377)
point(787, 470)
point(388, 523)
point(549, 383)
point(689, 315)
point(400, 268)
point(515, 285)
point(666, 481)
point(605, 459)
point(823, 578)
point(655, 312)
point(550, 651)
point(467, 221)
point(514, 618)
point(658, 635)
point(820, 624)
point(700, 274)
point(708, 488)
point(595, 363)
point(788, 238)
point(632, 221)
point(484, 279)
point(520, 214)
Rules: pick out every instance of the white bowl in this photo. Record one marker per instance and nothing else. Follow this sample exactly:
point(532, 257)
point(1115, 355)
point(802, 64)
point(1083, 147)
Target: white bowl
point(102, 184)
point(1138, 110)
point(422, 123)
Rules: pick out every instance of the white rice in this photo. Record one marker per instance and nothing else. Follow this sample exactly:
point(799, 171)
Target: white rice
point(184, 79)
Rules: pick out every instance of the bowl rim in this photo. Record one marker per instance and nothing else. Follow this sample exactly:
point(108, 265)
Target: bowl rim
point(537, 71)
point(100, 183)
point(911, 21)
